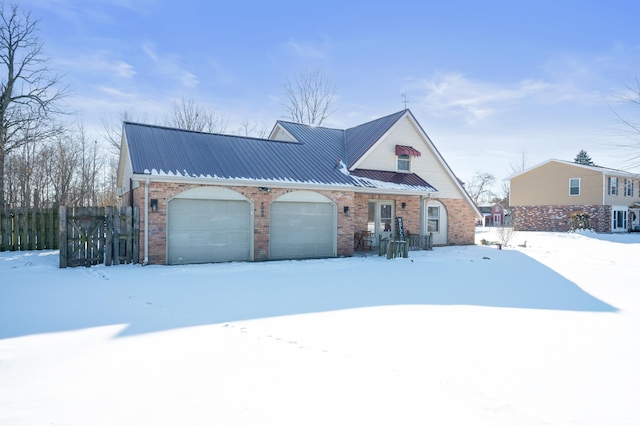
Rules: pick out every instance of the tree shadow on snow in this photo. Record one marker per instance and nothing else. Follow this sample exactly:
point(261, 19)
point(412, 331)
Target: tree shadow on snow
point(158, 298)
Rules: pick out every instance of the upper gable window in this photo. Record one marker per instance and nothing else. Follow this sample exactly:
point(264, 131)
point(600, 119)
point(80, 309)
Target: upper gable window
point(404, 154)
point(574, 186)
point(613, 186)
point(404, 163)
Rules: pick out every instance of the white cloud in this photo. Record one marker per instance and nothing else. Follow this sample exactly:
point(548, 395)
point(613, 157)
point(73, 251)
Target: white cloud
point(99, 61)
point(308, 50)
point(454, 94)
point(169, 65)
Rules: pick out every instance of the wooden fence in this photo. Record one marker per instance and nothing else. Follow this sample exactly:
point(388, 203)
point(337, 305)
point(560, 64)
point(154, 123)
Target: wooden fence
point(28, 229)
point(94, 235)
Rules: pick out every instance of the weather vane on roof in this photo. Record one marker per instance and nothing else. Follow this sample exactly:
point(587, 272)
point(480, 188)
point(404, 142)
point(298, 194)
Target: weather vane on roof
point(404, 99)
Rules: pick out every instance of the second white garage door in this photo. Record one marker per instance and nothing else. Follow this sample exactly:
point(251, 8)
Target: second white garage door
point(302, 229)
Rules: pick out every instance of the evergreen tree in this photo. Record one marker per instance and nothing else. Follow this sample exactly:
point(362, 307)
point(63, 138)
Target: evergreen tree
point(583, 158)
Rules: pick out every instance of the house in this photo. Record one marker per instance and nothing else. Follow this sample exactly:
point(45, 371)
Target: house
point(494, 215)
point(545, 196)
point(302, 193)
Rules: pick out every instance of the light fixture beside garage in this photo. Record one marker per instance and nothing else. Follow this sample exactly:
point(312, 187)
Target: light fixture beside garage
point(153, 205)
point(345, 209)
point(262, 188)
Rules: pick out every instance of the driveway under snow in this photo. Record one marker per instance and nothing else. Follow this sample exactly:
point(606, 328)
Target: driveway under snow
point(543, 334)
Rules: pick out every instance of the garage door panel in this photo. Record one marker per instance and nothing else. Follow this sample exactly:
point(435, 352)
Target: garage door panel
point(301, 230)
point(204, 231)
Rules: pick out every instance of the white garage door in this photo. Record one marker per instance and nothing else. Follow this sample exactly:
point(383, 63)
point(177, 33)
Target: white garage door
point(302, 230)
point(204, 231)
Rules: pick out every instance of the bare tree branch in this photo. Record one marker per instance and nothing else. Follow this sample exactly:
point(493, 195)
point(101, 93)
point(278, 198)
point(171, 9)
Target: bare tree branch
point(190, 115)
point(479, 188)
point(28, 89)
point(309, 97)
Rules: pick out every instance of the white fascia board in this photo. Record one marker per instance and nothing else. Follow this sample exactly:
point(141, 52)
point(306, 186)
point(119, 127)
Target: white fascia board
point(440, 158)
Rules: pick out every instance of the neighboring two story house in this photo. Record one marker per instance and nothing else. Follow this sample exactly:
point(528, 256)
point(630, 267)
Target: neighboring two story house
point(544, 197)
point(302, 193)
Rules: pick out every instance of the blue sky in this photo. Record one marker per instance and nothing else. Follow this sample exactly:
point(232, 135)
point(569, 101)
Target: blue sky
point(486, 80)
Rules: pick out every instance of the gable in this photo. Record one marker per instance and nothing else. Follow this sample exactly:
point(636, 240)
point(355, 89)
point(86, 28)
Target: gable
point(280, 134)
point(428, 165)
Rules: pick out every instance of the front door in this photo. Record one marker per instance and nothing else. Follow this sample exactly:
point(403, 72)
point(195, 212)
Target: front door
point(619, 222)
point(381, 220)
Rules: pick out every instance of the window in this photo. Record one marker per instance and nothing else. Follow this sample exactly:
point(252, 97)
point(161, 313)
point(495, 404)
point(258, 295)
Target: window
point(404, 163)
point(574, 186)
point(433, 219)
point(613, 186)
point(628, 188)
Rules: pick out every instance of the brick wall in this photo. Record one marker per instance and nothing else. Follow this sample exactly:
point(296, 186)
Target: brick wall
point(164, 191)
point(558, 218)
point(461, 220)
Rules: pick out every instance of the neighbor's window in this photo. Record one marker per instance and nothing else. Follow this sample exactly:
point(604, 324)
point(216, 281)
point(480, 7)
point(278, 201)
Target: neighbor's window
point(613, 186)
point(574, 186)
point(628, 188)
point(433, 219)
point(404, 163)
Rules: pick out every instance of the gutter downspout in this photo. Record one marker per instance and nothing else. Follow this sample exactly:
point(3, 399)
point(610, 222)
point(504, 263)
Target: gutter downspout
point(146, 223)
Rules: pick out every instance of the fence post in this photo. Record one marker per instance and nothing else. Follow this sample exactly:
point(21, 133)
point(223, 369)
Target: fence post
point(108, 247)
point(135, 234)
point(62, 232)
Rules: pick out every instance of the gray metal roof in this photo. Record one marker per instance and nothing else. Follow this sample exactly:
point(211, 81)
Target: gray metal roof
point(360, 138)
point(317, 157)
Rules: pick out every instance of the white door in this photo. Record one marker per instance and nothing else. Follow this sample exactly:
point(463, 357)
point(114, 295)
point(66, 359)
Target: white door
point(436, 222)
point(619, 219)
point(381, 220)
point(205, 231)
point(302, 230)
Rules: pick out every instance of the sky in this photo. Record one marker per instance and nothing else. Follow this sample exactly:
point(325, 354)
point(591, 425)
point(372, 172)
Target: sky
point(491, 83)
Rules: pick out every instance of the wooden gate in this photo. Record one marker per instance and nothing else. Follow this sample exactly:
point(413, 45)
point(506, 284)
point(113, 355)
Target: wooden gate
point(95, 235)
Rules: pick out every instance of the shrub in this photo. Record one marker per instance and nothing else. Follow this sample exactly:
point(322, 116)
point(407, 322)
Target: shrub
point(580, 221)
point(505, 234)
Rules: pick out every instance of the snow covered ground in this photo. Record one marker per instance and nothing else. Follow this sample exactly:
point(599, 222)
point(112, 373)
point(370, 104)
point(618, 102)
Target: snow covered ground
point(543, 334)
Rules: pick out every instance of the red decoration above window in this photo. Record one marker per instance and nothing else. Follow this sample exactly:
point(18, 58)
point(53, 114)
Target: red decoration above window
point(407, 150)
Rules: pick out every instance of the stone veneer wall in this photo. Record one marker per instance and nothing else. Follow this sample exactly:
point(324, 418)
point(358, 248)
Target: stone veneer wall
point(558, 218)
point(164, 191)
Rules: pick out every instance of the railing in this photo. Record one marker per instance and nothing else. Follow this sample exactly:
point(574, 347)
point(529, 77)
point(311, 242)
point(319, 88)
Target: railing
point(400, 248)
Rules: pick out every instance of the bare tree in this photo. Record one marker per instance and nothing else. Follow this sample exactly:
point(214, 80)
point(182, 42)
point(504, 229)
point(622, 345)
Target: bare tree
point(250, 129)
point(519, 165)
point(190, 115)
point(479, 187)
point(28, 88)
point(627, 113)
point(63, 154)
point(309, 97)
point(112, 128)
